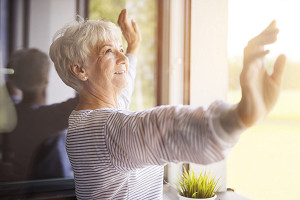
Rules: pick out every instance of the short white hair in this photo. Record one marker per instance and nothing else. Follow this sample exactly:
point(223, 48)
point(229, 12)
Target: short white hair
point(73, 44)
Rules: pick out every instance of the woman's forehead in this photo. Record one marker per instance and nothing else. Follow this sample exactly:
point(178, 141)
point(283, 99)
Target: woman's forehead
point(113, 43)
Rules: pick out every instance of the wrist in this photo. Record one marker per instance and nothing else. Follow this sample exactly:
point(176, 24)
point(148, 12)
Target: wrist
point(226, 122)
point(132, 49)
point(231, 120)
point(250, 113)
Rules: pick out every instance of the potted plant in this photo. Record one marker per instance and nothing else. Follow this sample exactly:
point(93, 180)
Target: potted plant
point(190, 186)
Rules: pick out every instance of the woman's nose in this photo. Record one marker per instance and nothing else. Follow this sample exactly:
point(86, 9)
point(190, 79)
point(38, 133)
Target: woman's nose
point(122, 59)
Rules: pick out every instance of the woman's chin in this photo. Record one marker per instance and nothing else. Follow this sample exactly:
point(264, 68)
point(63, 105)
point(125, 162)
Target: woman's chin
point(121, 85)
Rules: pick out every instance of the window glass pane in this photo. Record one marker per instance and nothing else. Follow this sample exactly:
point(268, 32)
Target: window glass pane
point(145, 13)
point(265, 163)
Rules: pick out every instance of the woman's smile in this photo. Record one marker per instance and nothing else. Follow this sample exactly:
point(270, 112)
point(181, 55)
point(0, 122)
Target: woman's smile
point(121, 71)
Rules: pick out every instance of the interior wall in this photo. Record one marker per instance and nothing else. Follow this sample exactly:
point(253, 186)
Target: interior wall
point(46, 18)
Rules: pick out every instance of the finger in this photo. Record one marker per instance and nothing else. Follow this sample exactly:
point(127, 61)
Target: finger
point(122, 21)
point(135, 26)
point(255, 55)
point(271, 26)
point(269, 36)
point(279, 68)
point(121, 17)
point(253, 58)
point(266, 37)
point(125, 20)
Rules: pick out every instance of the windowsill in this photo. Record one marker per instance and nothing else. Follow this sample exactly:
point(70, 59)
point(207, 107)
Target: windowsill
point(64, 189)
point(170, 194)
point(39, 189)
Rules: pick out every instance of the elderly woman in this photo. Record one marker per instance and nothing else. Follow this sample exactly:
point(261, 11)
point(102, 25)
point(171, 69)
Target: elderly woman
point(119, 154)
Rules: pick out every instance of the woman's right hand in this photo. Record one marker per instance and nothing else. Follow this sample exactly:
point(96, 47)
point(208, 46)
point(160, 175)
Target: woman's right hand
point(260, 90)
point(131, 32)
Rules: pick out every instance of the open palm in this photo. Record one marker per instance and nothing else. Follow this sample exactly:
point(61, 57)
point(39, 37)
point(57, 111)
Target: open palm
point(260, 90)
point(131, 32)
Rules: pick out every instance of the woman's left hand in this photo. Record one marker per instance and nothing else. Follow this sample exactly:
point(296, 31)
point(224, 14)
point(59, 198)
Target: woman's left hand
point(130, 31)
point(260, 90)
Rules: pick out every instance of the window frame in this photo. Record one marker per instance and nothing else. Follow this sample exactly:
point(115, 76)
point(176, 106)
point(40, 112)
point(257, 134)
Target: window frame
point(194, 41)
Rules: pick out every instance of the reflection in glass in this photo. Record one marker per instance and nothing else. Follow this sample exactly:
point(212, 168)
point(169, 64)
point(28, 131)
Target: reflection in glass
point(36, 145)
point(8, 118)
point(35, 148)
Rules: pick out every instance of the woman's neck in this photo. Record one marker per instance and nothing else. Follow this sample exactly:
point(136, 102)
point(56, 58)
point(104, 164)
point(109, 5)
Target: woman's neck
point(91, 101)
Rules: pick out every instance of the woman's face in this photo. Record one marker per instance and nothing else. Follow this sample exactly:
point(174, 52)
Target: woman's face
point(107, 67)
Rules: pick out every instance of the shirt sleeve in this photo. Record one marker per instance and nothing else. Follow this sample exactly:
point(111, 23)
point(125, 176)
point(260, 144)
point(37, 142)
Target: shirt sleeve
point(167, 134)
point(125, 98)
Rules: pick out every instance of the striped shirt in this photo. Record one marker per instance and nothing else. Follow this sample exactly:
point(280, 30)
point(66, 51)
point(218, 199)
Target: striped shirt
point(119, 154)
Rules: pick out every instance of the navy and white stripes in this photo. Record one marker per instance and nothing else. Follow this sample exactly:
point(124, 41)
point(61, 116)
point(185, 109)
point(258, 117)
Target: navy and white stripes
point(118, 154)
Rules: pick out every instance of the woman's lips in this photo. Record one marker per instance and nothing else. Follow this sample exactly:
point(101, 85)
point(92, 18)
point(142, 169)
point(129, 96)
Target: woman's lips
point(120, 72)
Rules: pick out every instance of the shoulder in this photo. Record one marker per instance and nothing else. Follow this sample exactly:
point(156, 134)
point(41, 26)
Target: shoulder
point(82, 117)
point(88, 127)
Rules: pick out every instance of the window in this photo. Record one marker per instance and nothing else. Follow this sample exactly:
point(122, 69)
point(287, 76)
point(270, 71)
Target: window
point(145, 13)
point(208, 63)
point(265, 163)
point(198, 52)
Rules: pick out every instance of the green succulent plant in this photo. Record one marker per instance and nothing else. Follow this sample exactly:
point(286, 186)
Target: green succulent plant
point(197, 187)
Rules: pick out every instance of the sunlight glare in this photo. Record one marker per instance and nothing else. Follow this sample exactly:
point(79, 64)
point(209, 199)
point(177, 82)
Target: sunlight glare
point(249, 18)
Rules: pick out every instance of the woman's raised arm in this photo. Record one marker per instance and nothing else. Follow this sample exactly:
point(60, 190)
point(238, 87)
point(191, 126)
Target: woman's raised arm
point(131, 32)
point(260, 90)
point(132, 35)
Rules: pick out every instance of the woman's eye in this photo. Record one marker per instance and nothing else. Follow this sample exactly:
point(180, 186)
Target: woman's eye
point(108, 51)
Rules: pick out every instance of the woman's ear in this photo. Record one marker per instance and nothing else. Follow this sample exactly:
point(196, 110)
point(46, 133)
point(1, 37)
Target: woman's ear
point(79, 72)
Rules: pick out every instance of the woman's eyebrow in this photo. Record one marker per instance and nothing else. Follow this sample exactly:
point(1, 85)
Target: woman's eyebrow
point(99, 48)
point(110, 45)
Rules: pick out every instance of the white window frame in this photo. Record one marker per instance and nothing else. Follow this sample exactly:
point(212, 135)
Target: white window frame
point(208, 63)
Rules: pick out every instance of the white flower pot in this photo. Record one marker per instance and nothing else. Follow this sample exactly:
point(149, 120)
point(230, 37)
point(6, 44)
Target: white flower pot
point(187, 198)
